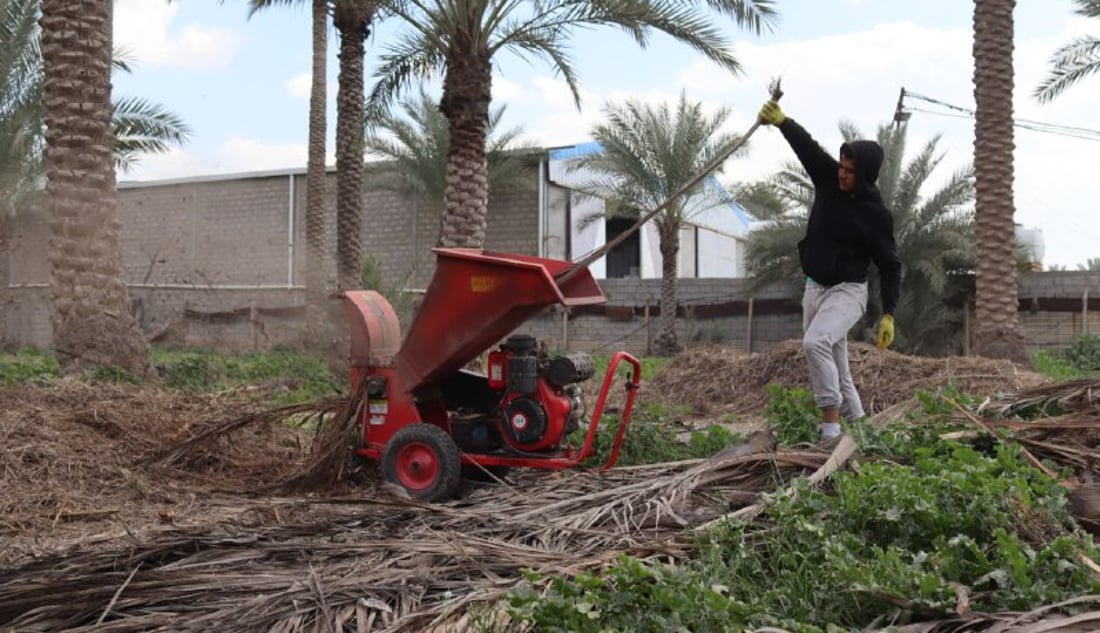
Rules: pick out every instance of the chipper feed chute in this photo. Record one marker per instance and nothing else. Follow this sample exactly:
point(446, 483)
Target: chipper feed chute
point(475, 299)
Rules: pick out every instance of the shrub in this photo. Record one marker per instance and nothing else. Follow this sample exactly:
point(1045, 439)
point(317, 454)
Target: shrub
point(888, 542)
point(1084, 352)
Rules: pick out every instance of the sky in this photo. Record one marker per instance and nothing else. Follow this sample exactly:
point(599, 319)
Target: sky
point(242, 85)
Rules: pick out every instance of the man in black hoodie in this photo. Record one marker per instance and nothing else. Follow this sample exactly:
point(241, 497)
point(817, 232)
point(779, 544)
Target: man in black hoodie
point(849, 227)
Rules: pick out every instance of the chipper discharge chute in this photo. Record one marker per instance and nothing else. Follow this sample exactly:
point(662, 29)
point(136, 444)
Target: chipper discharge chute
point(429, 420)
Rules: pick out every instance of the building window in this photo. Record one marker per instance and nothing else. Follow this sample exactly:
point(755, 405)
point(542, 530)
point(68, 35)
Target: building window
point(625, 260)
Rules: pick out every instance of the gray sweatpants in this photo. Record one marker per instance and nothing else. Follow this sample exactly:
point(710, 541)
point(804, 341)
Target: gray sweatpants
point(828, 312)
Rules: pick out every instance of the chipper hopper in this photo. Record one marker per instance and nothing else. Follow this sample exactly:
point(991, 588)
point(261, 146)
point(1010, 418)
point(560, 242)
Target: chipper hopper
point(430, 420)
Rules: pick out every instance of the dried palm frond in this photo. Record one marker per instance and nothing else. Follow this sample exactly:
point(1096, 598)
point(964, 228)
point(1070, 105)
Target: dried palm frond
point(399, 565)
point(1067, 396)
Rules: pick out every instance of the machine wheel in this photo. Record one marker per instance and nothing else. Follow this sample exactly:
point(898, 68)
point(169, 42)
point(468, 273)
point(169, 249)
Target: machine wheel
point(423, 459)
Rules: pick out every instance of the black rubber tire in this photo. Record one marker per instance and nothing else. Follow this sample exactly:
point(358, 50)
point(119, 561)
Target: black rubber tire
point(423, 459)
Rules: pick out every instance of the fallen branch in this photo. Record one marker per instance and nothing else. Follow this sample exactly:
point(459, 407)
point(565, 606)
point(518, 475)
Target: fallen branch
point(1034, 461)
point(843, 450)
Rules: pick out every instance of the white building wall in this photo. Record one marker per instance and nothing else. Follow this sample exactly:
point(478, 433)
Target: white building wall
point(718, 255)
point(722, 225)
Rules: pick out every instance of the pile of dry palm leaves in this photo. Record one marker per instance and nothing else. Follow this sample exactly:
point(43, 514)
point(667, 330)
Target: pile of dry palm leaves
point(77, 460)
point(717, 380)
point(388, 564)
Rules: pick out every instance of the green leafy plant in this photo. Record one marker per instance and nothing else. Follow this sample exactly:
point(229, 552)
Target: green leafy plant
point(27, 366)
point(651, 366)
point(890, 543)
point(653, 438)
point(793, 415)
point(1084, 353)
point(1056, 366)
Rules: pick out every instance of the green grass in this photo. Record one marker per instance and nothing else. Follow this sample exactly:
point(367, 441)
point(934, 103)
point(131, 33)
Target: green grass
point(294, 377)
point(651, 365)
point(301, 378)
point(1057, 367)
point(27, 366)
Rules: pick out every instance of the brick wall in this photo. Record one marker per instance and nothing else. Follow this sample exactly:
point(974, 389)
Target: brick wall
point(220, 261)
point(199, 252)
point(1051, 307)
point(711, 311)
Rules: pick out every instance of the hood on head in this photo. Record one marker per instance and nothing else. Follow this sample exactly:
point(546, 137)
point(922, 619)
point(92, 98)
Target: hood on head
point(868, 157)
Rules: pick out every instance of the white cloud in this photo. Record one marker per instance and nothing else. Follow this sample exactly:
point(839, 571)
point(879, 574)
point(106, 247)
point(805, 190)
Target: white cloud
point(146, 29)
point(508, 92)
point(299, 86)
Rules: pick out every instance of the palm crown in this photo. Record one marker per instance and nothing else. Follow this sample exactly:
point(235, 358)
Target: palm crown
point(414, 143)
point(1074, 60)
point(461, 39)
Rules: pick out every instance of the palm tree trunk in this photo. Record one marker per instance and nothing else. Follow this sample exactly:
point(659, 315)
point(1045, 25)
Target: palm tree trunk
point(315, 180)
point(998, 333)
point(92, 322)
point(352, 19)
point(666, 344)
point(466, 98)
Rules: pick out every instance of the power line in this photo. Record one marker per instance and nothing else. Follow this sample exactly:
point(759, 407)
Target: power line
point(902, 113)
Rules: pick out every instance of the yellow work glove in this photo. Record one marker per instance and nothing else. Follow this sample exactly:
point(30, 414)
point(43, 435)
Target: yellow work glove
point(770, 114)
point(884, 333)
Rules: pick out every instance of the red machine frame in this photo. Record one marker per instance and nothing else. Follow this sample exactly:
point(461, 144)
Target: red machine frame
point(475, 299)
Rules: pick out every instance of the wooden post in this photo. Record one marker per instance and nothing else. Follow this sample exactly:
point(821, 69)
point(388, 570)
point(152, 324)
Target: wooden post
point(1085, 312)
point(565, 329)
point(966, 326)
point(252, 334)
point(648, 334)
point(748, 333)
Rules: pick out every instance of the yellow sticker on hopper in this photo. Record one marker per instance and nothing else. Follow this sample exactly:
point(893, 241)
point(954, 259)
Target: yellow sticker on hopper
point(483, 284)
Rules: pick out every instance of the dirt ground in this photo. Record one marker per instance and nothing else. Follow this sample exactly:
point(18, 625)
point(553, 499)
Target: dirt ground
point(82, 463)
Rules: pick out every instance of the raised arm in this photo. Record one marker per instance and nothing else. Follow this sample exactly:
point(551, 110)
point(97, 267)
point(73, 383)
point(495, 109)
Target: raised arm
point(820, 164)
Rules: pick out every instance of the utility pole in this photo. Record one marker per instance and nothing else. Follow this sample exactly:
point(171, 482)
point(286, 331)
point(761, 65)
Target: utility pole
point(900, 115)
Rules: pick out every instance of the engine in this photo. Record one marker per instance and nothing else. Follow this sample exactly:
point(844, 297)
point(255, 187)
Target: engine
point(541, 398)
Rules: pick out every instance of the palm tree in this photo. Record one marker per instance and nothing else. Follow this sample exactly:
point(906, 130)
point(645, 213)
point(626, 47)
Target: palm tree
point(460, 40)
point(1073, 61)
point(92, 322)
point(21, 110)
point(934, 233)
point(413, 147)
point(140, 127)
point(352, 19)
point(316, 253)
point(21, 114)
point(647, 153)
point(998, 332)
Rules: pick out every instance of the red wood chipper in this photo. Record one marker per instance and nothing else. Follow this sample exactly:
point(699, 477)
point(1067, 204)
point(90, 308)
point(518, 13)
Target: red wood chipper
point(429, 420)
